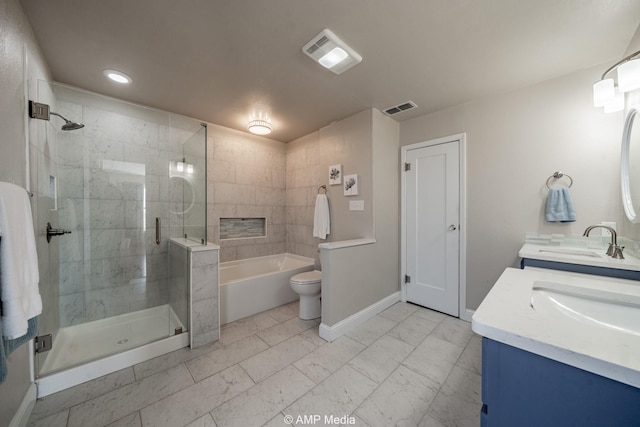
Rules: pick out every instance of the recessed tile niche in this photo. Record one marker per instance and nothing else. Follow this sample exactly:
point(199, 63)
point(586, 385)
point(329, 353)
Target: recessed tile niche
point(242, 228)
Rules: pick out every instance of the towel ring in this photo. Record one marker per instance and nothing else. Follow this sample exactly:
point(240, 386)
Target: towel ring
point(558, 175)
point(322, 187)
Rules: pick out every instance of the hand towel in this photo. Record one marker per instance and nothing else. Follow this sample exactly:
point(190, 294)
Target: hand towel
point(321, 219)
point(560, 206)
point(7, 346)
point(19, 277)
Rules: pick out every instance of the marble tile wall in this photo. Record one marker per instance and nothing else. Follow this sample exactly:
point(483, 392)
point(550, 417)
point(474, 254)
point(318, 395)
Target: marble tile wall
point(246, 179)
point(205, 315)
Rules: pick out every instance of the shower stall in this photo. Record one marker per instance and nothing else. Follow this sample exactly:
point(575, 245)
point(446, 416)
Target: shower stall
point(122, 185)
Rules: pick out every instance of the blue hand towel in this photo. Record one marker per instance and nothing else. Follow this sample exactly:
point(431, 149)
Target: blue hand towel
point(560, 206)
point(7, 346)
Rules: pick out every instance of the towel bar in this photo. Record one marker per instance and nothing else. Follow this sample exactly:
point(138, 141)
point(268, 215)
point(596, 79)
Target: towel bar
point(558, 175)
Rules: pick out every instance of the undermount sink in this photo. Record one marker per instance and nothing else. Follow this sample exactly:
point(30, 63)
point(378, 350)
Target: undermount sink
point(589, 306)
point(576, 252)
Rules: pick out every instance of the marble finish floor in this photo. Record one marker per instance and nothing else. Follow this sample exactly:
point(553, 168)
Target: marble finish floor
point(408, 366)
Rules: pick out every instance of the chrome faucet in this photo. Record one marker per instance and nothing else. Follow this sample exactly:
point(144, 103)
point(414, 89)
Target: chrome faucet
point(614, 250)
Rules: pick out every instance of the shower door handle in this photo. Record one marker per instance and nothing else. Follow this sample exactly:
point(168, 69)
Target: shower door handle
point(158, 235)
point(55, 232)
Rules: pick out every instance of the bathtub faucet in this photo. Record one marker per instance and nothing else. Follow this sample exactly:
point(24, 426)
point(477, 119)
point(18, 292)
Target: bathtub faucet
point(614, 250)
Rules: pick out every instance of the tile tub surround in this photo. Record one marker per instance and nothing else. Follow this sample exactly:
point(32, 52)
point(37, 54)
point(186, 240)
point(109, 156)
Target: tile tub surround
point(421, 368)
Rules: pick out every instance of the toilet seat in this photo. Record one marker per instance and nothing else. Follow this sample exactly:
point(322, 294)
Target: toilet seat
point(307, 278)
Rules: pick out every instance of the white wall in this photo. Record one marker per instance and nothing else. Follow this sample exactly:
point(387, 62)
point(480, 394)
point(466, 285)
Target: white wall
point(515, 141)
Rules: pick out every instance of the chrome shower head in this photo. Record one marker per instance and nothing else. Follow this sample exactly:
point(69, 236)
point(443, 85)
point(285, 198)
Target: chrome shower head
point(68, 124)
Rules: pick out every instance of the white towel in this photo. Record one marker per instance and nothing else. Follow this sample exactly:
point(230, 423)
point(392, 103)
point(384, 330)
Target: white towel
point(19, 275)
point(321, 219)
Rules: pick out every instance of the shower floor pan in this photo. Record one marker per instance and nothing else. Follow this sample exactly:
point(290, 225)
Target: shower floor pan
point(78, 344)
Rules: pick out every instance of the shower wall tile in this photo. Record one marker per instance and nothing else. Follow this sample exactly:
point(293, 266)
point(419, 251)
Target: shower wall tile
point(205, 318)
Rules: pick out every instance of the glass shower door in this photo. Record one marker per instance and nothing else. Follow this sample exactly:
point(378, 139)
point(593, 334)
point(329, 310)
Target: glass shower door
point(113, 188)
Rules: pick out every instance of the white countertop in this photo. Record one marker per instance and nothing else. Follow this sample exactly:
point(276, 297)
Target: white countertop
point(552, 253)
point(506, 316)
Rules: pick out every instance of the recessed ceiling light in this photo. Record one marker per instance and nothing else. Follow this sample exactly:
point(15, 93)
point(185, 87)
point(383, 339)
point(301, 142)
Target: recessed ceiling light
point(117, 76)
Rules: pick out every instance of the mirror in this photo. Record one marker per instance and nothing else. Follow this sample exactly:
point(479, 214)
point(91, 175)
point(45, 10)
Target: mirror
point(631, 165)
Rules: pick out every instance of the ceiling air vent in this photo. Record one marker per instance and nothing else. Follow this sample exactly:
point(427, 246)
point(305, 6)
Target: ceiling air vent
point(400, 108)
point(317, 44)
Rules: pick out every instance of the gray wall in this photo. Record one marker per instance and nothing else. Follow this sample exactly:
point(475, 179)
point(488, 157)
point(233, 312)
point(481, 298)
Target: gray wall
point(16, 42)
point(347, 142)
point(366, 144)
point(515, 141)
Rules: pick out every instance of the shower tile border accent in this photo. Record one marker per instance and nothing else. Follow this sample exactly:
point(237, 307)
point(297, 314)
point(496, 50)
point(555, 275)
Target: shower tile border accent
point(242, 228)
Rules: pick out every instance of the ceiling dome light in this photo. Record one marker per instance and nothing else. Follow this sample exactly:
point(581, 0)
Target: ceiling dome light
point(259, 127)
point(118, 76)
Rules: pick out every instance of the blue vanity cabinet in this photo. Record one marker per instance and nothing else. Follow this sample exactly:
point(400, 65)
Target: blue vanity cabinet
point(523, 389)
point(579, 268)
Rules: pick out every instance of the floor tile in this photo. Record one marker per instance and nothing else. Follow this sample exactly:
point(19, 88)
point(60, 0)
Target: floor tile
point(413, 330)
point(243, 328)
point(454, 330)
point(371, 330)
point(132, 420)
point(327, 359)
point(172, 359)
point(434, 358)
point(471, 358)
point(275, 358)
point(381, 358)
point(458, 402)
point(385, 372)
point(261, 403)
point(399, 311)
point(118, 403)
point(285, 330)
point(429, 421)
point(285, 312)
point(72, 396)
point(203, 421)
point(338, 395)
point(402, 400)
point(224, 357)
point(195, 401)
point(58, 419)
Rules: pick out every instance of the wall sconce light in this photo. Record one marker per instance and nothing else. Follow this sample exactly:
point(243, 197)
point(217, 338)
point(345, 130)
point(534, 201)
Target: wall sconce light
point(331, 52)
point(184, 167)
point(605, 92)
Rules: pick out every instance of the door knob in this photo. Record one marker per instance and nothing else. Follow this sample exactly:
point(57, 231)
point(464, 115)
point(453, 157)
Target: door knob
point(452, 227)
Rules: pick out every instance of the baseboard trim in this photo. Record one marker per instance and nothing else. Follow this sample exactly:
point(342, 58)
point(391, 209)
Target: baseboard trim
point(467, 315)
point(331, 333)
point(21, 418)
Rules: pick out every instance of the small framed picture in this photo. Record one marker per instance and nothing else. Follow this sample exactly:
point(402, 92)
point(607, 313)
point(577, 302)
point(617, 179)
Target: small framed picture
point(351, 185)
point(335, 174)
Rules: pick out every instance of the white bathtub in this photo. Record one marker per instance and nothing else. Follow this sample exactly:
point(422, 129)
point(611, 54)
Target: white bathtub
point(250, 286)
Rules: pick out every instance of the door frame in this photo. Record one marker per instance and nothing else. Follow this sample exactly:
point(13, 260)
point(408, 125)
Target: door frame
point(462, 261)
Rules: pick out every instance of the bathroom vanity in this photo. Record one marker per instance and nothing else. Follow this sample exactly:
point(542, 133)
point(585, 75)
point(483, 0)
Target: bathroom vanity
point(560, 349)
point(579, 260)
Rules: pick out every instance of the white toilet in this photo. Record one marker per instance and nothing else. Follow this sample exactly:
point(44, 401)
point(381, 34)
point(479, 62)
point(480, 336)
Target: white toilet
point(307, 285)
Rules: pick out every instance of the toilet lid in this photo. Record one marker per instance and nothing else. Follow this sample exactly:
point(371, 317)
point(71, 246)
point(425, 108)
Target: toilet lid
point(307, 277)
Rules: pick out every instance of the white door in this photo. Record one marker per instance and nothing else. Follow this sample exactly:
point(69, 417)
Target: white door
point(432, 197)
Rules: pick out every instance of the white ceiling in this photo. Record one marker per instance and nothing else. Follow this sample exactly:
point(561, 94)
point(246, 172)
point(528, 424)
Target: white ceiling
point(217, 60)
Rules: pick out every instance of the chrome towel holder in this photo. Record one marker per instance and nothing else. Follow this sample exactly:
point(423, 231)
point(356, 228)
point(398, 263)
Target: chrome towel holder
point(558, 175)
point(322, 187)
